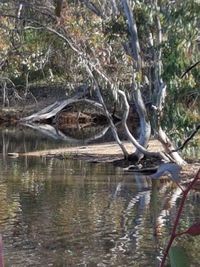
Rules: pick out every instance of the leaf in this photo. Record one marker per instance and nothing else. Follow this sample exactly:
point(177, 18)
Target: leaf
point(194, 229)
point(178, 257)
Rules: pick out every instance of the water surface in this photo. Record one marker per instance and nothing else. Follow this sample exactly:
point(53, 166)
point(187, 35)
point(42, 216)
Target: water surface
point(73, 213)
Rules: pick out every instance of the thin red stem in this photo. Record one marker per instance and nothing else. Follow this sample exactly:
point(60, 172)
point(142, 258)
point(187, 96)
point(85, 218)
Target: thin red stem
point(182, 233)
point(1, 252)
point(176, 222)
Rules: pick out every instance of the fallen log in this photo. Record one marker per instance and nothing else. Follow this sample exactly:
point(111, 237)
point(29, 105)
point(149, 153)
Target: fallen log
point(54, 109)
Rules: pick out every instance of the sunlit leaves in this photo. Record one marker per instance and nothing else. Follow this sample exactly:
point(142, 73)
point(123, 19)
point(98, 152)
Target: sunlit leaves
point(180, 49)
point(104, 39)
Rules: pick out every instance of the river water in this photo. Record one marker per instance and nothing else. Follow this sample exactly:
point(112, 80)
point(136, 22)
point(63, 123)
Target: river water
point(73, 213)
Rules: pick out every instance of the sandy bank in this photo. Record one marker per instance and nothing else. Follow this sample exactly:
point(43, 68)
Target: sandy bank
point(105, 151)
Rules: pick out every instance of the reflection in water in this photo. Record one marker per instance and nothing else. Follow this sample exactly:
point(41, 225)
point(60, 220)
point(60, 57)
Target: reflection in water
point(43, 136)
point(24, 139)
point(71, 213)
point(56, 134)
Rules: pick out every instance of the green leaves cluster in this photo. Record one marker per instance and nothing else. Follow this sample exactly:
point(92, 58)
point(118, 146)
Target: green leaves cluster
point(28, 47)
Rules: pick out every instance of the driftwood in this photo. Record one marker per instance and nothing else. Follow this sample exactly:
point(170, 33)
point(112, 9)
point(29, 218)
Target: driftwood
point(39, 120)
point(55, 108)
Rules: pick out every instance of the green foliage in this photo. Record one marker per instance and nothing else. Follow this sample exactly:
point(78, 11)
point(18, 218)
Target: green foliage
point(178, 257)
point(30, 49)
point(181, 50)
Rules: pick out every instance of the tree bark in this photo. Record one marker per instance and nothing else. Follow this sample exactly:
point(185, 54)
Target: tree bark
point(107, 113)
point(134, 41)
point(55, 108)
point(140, 149)
point(145, 127)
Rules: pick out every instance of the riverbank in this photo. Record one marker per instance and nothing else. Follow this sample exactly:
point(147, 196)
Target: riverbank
point(110, 153)
point(100, 152)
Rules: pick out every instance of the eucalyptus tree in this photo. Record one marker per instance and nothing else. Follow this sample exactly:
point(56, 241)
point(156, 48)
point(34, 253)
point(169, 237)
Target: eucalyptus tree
point(156, 37)
point(121, 48)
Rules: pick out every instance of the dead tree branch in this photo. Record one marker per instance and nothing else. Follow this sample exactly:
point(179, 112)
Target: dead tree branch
point(187, 139)
point(190, 68)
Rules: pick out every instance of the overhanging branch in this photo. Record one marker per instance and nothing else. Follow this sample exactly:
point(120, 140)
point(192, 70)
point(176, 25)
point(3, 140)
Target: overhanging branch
point(187, 139)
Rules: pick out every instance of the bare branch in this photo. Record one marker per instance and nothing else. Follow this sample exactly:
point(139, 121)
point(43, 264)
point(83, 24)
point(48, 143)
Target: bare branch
point(108, 115)
point(187, 139)
point(140, 147)
point(134, 43)
point(190, 68)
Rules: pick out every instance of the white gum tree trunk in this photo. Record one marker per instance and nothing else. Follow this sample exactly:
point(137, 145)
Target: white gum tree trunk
point(145, 127)
point(160, 90)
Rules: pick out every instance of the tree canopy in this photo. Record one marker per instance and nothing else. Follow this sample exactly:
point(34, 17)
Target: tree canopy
point(127, 51)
